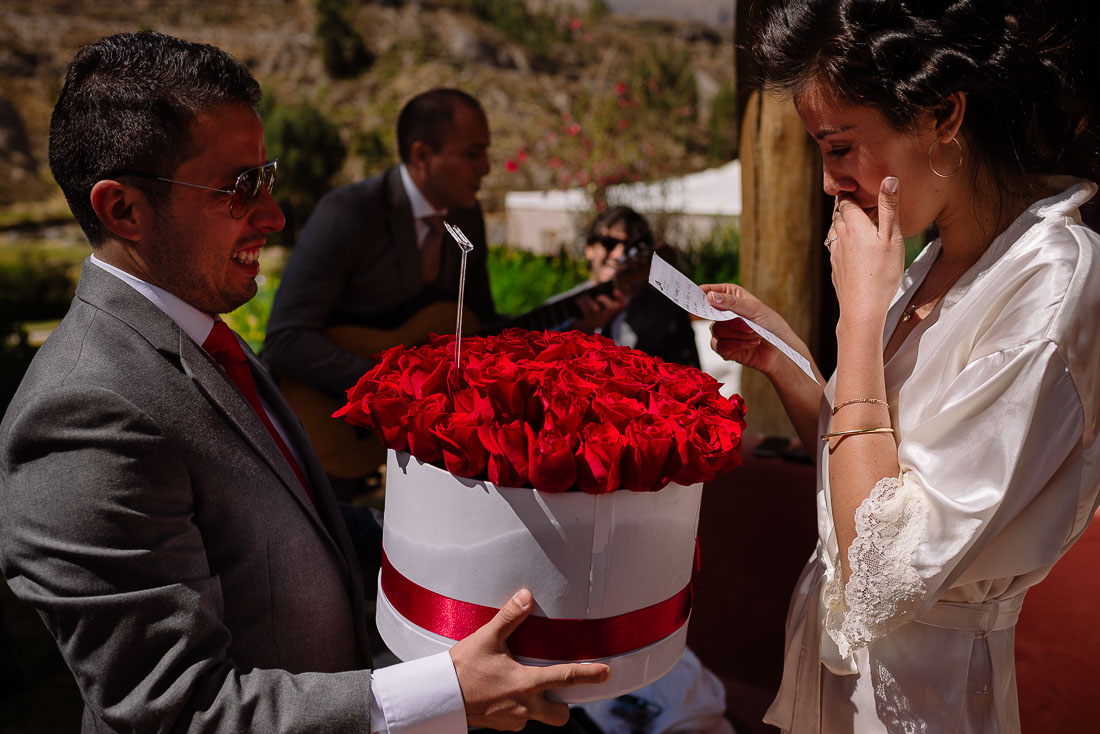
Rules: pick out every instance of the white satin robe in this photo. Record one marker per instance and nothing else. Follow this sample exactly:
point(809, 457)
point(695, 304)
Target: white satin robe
point(995, 405)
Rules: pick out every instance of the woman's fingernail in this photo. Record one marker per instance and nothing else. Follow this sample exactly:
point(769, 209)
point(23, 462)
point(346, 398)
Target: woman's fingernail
point(891, 185)
point(523, 598)
point(717, 297)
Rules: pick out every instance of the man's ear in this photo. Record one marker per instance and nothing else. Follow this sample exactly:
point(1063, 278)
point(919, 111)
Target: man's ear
point(419, 153)
point(123, 210)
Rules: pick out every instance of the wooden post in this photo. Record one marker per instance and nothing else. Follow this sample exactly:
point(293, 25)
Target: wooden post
point(781, 235)
point(783, 219)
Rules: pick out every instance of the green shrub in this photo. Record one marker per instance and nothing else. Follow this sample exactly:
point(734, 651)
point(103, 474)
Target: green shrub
point(521, 280)
point(723, 125)
point(31, 289)
point(343, 51)
point(537, 31)
point(376, 147)
point(250, 320)
point(309, 150)
point(665, 83)
point(716, 259)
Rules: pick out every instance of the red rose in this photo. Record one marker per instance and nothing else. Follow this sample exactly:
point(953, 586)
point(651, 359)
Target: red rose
point(471, 400)
point(463, 452)
point(499, 378)
point(553, 410)
point(552, 467)
point(508, 447)
point(599, 458)
point(421, 376)
point(388, 407)
point(615, 409)
point(652, 454)
point(422, 415)
point(564, 408)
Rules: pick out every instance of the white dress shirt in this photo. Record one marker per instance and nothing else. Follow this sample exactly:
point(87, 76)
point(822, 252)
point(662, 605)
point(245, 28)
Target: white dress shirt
point(417, 697)
point(421, 207)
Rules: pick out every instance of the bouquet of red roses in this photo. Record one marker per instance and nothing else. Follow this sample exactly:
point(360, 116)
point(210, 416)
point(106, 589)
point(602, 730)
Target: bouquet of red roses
point(550, 410)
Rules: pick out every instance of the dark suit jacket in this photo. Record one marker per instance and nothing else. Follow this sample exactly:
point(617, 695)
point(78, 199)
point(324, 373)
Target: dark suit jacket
point(356, 262)
point(650, 323)
point(149, 517)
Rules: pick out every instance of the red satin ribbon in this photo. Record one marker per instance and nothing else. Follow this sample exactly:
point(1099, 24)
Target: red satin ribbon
point(538, 637)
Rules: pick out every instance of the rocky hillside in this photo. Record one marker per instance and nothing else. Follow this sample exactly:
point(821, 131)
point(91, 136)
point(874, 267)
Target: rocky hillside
point(573, 98)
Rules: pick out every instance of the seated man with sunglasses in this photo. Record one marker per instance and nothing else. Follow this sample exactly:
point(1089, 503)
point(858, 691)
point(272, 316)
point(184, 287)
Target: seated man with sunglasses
point(632, 314)
point(160, 507)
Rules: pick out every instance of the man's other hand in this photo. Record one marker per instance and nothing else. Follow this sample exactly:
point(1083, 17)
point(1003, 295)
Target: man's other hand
point(502, 694)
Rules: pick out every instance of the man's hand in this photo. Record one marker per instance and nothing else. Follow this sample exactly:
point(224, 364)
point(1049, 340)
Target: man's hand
point(597, 312)
point(502, 694)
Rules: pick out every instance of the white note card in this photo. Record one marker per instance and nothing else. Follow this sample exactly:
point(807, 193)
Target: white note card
point(679, 289)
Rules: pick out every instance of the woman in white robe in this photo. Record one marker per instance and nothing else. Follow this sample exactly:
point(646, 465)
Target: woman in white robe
point(958, 453)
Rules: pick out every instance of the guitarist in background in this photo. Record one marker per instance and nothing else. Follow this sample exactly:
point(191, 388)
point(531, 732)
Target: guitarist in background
point(645, 320)
point(374, 254)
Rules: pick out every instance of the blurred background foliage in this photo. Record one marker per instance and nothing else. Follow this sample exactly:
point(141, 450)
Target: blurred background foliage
point(34, 288)
point(575, 96)
point(310, 151)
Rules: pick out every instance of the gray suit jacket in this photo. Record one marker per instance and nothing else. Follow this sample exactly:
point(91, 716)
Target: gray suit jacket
point(149, 517)
point(356, 262)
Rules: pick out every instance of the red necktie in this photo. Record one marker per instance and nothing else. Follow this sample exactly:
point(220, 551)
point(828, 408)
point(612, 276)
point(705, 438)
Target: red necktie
point(223, 346)
point(432, 251)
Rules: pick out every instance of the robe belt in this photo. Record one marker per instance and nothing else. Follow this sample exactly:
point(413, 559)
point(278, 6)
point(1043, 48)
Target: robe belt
point(983, 617)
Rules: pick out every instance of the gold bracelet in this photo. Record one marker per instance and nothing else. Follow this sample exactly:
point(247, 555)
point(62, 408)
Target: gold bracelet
point(860, 400)
point(856, 432)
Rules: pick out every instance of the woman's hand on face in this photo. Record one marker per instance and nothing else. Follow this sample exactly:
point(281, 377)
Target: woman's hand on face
point(733, 339)
point(867, 261)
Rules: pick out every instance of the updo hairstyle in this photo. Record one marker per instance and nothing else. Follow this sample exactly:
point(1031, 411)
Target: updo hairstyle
point(1029, 69)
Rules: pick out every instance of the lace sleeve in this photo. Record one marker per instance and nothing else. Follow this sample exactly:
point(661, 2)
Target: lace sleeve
point(884, 589)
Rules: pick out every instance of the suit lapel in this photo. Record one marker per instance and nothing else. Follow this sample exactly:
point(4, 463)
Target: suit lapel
point(224, 395)
point(403, 231)
point(106, 292)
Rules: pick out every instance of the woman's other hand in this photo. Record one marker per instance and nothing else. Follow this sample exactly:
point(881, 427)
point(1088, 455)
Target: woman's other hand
point(867, 261)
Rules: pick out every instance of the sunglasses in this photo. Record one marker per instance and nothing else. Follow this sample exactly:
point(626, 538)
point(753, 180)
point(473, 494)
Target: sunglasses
point(243, 194)
point(609, 243)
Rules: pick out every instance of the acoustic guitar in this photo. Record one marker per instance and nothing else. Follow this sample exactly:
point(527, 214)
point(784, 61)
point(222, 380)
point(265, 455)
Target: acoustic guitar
point(350, 451)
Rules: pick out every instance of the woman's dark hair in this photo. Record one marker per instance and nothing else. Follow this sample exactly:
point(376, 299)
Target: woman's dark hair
point(636, 226)
point(128, 103)
point(1029, 69)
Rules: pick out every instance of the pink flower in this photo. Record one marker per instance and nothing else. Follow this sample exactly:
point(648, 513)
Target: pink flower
point(510, 165)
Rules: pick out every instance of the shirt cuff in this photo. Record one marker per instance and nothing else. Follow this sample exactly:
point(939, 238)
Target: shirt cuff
point(418, 697)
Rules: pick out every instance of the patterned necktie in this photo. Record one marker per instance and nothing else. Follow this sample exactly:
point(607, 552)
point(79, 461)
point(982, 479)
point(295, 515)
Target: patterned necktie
point(223, 346)
point(432, 250)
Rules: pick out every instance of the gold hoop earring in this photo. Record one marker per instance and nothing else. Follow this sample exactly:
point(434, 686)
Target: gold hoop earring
point(958, 165)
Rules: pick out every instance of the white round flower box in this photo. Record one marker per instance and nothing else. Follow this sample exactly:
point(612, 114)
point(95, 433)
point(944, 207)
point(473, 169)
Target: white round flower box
point(610, 573)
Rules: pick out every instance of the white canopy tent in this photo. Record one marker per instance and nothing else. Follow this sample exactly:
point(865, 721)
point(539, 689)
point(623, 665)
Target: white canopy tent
point(684, 209)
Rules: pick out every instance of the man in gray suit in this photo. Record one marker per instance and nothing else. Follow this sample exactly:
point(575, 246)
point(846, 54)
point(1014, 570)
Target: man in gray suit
point(159, 504)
